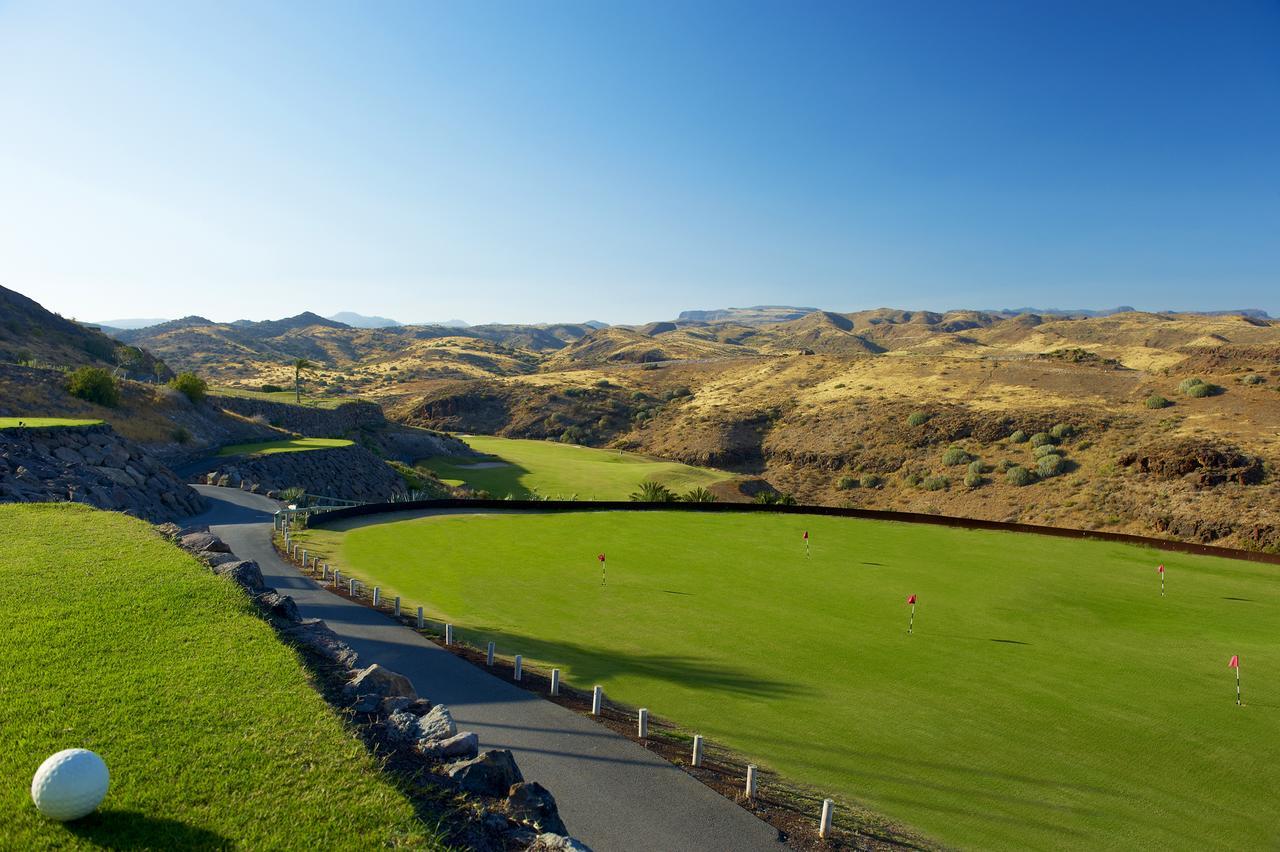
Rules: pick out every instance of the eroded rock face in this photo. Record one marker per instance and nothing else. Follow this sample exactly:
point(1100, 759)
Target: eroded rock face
point(1205, 464)
point(94, 465)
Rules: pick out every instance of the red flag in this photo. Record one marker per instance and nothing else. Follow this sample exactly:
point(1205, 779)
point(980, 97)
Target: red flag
point(1161, 569)
point(806, 535)
point(600, 557)
point(1235, 662)
point(911, 600)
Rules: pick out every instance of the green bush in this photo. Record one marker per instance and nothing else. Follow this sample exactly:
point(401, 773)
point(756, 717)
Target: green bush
point(773, 498)
point(191, 385)
point(698, 495)
point(972, 479)
point(847, 482)
point(180, 435)
point(917, 418)
point(272, 389)
point(1050, 465)
point(1186, 385)
point(1018, 437)
point(94, 384)
point(975, 466)
point(955, 456)
point(1157, 401)
point(653, 492)
point(1062, 430)
point(936, 483)
point(1039, 439)
point(870, 480)
point(913, 479)
point(1019, 475)
point(1044, 450)
point(1201, 390)
point(1004, 464)
point(1252, 379)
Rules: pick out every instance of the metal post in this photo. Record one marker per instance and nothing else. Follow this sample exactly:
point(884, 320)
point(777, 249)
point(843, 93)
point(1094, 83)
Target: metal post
point(448, 634)
point(421, 621)
point(751, 780)
point(824, 827)
point(555, 681)
point(642, 724)
point(353, 588)
point(337, 578)
point(519, 668)
point(697, 750)
point(397, 606)
point(377, 595)
point(597, 700)
point(488, 659)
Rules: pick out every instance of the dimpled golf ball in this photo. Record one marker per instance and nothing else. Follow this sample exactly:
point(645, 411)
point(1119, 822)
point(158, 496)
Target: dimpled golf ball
point(69, 785)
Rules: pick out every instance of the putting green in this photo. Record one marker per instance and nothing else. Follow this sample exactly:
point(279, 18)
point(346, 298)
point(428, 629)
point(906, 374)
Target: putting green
point(40, 422)
point(1048, 698)
point(114, 640)
point(293, 445)
point(523, 467)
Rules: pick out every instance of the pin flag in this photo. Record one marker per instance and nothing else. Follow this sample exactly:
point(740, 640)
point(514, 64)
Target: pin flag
point(601, 558)
point(1235, 664)
point(912, 622)
point(1160, 570)
point(806, 544)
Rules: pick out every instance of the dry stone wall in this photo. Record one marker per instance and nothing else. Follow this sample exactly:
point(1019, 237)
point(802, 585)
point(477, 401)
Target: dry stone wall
point(350, 473)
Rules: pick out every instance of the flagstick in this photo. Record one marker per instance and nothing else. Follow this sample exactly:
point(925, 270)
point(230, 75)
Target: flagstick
point(912, 622)
point(1239, 698)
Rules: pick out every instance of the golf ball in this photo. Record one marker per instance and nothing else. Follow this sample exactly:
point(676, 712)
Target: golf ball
point(70, 784)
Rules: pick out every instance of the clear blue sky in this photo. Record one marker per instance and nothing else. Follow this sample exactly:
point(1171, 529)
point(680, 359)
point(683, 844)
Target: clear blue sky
point(563, 161)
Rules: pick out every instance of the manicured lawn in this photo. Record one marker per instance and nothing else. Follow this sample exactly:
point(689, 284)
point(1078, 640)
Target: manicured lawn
point(520, 467)
point(284, 396)
point(116, 641)
point(293, 445)
point(1049, 697)
point(35, 422)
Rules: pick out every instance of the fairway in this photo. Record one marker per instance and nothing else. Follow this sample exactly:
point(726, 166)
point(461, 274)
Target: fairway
point(292, 445)
point(523, 468)
point(1048, 697)
point(43, 422)
point(114, 640)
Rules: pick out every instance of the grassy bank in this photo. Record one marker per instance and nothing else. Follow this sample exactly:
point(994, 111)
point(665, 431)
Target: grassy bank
point(116, 641)
point(291, 445)
point(43, 422)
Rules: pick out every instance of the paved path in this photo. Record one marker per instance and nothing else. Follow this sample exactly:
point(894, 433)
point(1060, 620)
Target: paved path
point(613, 794)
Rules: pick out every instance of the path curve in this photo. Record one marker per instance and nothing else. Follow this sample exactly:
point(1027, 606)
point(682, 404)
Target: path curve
point(613, 794)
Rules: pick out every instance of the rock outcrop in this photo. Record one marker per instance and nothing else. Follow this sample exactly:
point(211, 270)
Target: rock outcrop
point(351, 473)
point(94, 465)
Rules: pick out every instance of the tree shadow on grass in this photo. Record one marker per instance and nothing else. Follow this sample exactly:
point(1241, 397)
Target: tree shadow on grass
point(118, 829)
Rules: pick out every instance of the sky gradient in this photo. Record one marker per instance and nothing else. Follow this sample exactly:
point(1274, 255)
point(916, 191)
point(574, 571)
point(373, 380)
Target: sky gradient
point(586, 160)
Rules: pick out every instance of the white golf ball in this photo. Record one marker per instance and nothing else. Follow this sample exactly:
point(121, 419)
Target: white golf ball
point(69, 785)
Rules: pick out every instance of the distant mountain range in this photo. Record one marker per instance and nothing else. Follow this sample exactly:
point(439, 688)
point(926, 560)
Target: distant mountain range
point(129, 324)
point(1256, 313)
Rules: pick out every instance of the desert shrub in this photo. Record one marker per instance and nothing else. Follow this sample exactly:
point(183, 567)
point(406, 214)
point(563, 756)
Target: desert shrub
point(1050, 465)
point(1019, 475)
point(603, 383)
point(1044, 450)
point(678, 393)
point(573, 435)
point(1252, 379)
point(94, 384)
point(1039, 439)
point(870, 480)
point(1062, 430)
point(935, 483)
point(639, 395)
point(1084, 445)
point(180, 435)
point(1157, 401)
point(1201, 390)
point(975, 466)
point(847, 482)
point(913, 479)
point(698, 495)
point(653, 492)
point(1186, 385)
point(973, 479)
point(191, 385)
point(272, 389)
point(917, 418)
point(955, 456)
point(575, 392)
point(1018, 437)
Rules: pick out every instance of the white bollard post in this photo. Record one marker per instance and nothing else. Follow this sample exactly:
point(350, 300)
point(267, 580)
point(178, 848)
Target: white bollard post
point(597, 700)
point(555, 681)
point(377, 595)
point(824, 827)
point(337, 578)
point(448, 634)
point(488, 659)
point(397, 606)
point(751, 780)
point(697, 750)
point(519, 667)
point(642, 724)
point(421, 621)
point(352, 589)
point(304, 558)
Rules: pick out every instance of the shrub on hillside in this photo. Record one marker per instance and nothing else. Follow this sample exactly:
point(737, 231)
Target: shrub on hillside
point(653, 492)
point(1062, 430)
point(847, 482)
point(1018, 437)
point(975, 466)
point(1050, 465)
point(973, 479)
point(1019, 475)
point(1004, 464)
point(180, 435)
point(1044, 450)
point(773, 498)
point(191, 385)
point(917, 418)
point(272, 389)
point(1186, 385)
point(1252, 379)
point(1039, 439)
point(936, 483)
point(913, 479)
point(954, 456)
point(94, 384)
point(1157, 401)
point(1201, 390)
point(870, 480)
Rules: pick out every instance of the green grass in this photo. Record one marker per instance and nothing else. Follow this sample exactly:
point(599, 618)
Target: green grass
point(284, 396)
point(116, 641)
point(1048, 698)
point(37, 422)
point(564, 470)
point(292, 445)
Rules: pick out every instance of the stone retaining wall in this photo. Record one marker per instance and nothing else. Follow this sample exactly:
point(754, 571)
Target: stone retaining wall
point(310, 422)
point(94, 465)
point(350, 473)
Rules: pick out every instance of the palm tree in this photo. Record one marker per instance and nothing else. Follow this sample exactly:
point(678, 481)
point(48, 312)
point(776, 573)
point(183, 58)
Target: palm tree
point(298, 366)
point(653, 492)
point(699, 495)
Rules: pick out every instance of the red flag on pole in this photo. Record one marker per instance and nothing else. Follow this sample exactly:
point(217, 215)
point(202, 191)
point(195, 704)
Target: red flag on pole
point(1235, 662)
point(1161, 569)
point(911, 599)
point(600, 557)
point(806, 535)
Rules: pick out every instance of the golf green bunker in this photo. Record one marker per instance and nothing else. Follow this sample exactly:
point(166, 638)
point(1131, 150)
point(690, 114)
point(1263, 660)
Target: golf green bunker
point(523, 467)
point(1048, 697)
point(116, 641)
point(292, 445)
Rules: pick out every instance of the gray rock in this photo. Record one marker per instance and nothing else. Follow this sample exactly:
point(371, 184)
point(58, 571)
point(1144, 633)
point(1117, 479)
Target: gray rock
point(244, 572)
point(463, 744)
point(395, 704)
point(203, 542)
point(438, 724)
point(529, 801)
point(281, 605)
point(490, 774)
point(548, 842)
point(401, 727)
point(68, 455)
point(382, 682)
point(213, 560)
